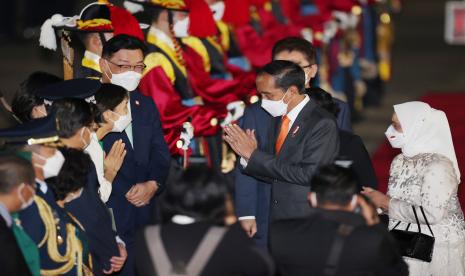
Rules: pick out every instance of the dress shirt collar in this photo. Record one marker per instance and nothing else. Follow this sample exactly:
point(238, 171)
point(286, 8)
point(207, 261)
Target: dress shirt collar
point(6, 215)
point(92, 56)
point(292, 115)
point(42, 185)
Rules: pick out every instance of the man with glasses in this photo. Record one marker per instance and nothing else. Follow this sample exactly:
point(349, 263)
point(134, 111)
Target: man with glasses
point(146, 165)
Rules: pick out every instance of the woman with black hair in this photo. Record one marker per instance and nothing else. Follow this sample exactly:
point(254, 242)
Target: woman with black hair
point(76, 121)
point(111, 115)
point(193, 239)
point(26, 104)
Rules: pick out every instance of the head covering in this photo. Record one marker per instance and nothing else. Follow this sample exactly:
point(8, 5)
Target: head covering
point(74, 88)
point(201, 21)
point(426, 130)
point(96, 17)
point(236, 12)
point(37, 131)
point(138, 5)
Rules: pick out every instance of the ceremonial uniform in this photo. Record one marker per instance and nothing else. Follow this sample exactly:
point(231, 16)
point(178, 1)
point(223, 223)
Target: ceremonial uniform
point(61, 241)
point(88, 209)
point(98, 17)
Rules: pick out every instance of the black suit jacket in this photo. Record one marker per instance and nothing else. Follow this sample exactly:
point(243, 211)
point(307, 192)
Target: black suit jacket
point(301, 246)
point(312, 141)
point(235, 254)
point(352, 148)
point(11, 258)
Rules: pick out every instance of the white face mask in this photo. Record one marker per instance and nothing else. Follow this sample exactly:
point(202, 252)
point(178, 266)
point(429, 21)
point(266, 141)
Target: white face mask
point(52, 165)
point(24, 203)
point(275, 108)
point(180, 28)
point(395, 138)
point(122, 123)
point(74, 196)
point(218, 10)
point(129, 80)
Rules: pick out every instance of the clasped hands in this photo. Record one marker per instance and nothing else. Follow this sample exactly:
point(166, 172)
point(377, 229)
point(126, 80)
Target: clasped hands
point(141, 193)
point(243, 143)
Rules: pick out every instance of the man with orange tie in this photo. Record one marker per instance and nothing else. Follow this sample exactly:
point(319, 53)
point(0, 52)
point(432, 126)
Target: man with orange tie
point(302, 137)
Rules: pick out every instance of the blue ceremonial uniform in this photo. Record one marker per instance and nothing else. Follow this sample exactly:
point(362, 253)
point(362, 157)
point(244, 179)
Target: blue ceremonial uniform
point(94, 216)
point(148, 159)
point(34, 226)
point(252, 196)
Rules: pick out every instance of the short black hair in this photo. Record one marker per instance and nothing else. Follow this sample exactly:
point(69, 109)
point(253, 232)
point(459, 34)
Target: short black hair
point(298, 44)
point(73, 175)
point(334, 184)
point(199, 192)
point(286, 74)
point(108, 97)
point(323, 99)
point(25, 98)
point(72, 114)
point(14, 170)
point(120, 42)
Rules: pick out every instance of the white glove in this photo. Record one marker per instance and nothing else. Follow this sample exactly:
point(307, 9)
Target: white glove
point(235, 111)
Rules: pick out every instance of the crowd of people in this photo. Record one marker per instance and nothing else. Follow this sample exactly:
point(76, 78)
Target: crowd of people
point(214, 138)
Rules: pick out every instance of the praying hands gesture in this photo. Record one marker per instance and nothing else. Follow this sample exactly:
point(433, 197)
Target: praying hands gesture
point(242, 142)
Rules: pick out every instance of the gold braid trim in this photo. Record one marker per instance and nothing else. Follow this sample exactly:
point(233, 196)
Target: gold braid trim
point(73, 248)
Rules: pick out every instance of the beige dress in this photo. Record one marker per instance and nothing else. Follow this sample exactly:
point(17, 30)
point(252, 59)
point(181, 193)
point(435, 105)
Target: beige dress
point(429, 180)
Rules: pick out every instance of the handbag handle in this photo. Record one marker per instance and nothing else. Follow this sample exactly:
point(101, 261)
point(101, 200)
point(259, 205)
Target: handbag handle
point(397, 224)
point(416, 218)
point(426, 220)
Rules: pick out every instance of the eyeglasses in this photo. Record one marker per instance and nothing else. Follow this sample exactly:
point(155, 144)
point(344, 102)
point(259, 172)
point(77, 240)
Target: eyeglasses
point(127, 67)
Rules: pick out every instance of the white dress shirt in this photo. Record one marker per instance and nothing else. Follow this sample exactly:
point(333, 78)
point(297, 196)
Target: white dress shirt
point(292, 116)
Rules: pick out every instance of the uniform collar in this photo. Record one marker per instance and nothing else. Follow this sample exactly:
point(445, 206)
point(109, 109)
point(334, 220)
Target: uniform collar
point(162, 36)
point(42, 185)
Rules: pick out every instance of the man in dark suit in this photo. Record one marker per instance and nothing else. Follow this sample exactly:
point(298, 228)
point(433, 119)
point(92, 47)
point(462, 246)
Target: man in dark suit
point(16, 192)
point(146, 164)
point(342, 237)
point(252, 196)
point(302, 52)
point(302, 137)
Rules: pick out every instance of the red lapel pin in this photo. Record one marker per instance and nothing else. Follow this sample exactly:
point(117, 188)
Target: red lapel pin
point(294, 132)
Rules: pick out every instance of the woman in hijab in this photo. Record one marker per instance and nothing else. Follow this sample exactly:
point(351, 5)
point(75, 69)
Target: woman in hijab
point(425, 174)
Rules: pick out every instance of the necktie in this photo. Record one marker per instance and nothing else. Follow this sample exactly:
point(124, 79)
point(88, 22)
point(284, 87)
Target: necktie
point(282, 133)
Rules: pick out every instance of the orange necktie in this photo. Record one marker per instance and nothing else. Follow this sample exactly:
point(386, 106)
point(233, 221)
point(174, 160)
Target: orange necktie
point(282, 133)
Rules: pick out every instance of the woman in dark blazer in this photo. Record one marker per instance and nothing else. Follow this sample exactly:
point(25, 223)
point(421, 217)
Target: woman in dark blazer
point(193, 239)
point(351, 145)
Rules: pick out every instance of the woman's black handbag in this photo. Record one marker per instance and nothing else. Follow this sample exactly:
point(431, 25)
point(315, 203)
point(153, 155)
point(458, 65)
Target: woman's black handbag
point(415, 244)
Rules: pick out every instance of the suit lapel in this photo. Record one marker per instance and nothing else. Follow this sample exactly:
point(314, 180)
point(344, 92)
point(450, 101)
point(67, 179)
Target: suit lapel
point(298, 127)
point(136, 123)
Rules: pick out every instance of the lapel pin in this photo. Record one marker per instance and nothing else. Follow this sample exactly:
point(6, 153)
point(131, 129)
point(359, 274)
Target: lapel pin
point(137, 102)
point(294, 132)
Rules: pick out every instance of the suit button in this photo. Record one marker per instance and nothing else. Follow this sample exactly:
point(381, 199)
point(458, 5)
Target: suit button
point(275, 202)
